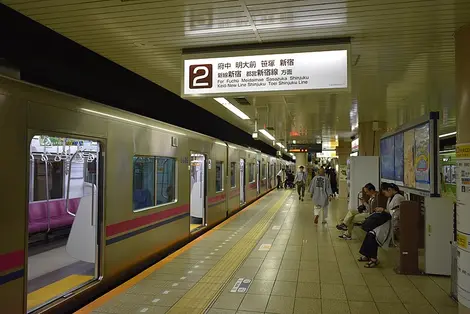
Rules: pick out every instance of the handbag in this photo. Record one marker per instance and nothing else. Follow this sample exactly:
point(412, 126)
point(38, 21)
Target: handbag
point(361, 209)
point(375, 220)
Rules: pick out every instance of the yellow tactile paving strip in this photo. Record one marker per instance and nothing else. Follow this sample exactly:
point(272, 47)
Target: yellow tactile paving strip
point(199, 297)
point(49, 292)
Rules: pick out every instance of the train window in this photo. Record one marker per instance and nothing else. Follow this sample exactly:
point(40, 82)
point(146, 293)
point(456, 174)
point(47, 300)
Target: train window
point(219, 176)
point(233, 182)
point(263, 171)
point(89, 175)
point(252, 172)
point(53, 173)
point(166, 179)
point(143, 182)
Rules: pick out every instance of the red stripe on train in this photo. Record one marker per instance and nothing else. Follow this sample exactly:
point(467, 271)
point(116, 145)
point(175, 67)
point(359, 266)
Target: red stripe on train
point(144, 220)
point(215, 199)
point(11, 260)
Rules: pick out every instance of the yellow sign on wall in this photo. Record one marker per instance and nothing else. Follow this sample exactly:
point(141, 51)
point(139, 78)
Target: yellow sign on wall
point(462, 151)
point(462, 240)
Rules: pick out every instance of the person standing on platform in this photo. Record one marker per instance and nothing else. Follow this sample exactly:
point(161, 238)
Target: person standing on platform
point(300, 181)
point(280, 178)
point(334, 182)
point(320, 189)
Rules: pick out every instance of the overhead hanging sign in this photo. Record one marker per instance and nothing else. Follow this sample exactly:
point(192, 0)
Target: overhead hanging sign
point(265, 73)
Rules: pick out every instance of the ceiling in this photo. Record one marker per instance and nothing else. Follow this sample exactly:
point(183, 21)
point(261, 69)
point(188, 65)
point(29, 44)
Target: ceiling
point(402, 52)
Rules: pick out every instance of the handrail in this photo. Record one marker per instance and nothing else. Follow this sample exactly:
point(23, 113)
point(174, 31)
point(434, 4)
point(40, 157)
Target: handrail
point(68, 185)
point(46, 161)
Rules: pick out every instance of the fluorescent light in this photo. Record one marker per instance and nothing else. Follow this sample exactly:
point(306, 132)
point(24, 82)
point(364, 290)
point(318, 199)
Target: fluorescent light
point(224, 102)
point(447, 134)
point(292, 154)
point(285, 149)
point(267, 134)
point(294, 142)
point(131, 121)
point(280, 145)
point(255, 135)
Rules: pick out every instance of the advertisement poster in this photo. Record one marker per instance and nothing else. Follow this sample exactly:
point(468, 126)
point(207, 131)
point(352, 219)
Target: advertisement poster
point(408, 154)
point(463, 222)
point(399, 157)
point(387, 158)
point(422, 154)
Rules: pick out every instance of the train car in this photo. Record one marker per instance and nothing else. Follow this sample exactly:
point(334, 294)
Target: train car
point(93, 194)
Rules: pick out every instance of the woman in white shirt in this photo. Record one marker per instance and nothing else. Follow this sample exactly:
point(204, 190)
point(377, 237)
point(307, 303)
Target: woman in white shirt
point(393, 203)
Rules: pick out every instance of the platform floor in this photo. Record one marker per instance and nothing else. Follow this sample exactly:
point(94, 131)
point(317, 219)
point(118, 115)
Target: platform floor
point(272, 258)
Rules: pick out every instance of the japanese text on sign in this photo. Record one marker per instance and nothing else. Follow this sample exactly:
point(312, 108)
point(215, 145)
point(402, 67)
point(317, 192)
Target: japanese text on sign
point(265, 73)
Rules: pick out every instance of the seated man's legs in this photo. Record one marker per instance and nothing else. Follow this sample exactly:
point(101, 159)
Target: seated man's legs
point(347, 219)
point(359, 218)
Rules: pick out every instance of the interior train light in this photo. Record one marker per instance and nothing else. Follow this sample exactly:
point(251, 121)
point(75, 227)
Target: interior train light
point(447, 134)
point(224, 102)
point(280, 145)
point(267, 134)
point(131, 121)
point(221, 143)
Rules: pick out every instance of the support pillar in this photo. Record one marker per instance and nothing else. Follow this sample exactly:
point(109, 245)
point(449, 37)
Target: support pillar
point(301, 160)
point(462, 80)
point(369, 137)
point(343, 150)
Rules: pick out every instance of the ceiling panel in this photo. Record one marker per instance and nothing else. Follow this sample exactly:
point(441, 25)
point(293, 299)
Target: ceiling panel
point(402, 51)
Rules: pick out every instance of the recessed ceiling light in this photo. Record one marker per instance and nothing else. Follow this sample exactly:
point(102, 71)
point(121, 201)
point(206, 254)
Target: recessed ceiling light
point(224, 102)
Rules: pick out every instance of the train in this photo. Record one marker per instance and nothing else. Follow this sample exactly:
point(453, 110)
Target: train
point(92, 194)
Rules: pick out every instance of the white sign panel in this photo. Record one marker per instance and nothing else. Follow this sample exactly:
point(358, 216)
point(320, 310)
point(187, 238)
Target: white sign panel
point(318, 70)
point(463, 222)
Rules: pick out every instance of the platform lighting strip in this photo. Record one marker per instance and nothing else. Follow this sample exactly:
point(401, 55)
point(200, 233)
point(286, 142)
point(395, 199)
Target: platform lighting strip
point(224, 102)
point(280, 145)
point(131, 121)
point(267, 134)
point(447, 134)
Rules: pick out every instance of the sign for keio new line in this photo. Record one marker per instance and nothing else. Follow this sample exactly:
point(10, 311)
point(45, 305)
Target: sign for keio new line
point(265, 73)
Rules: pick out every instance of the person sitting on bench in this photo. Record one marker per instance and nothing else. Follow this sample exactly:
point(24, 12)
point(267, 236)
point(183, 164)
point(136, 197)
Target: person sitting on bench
point(357, 216)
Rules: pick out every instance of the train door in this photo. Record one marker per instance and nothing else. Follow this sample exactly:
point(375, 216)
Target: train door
point(242, 181)
point(65, 190)
point(198, 191)
point(258, 177)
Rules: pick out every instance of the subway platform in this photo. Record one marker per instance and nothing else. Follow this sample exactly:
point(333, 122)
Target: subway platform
point(272, 258)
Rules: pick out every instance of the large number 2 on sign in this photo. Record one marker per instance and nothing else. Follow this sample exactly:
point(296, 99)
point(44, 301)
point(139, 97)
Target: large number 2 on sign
point(198, 78)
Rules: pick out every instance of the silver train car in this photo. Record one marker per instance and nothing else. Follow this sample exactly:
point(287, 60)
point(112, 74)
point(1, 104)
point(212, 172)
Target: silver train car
point(93, 194)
